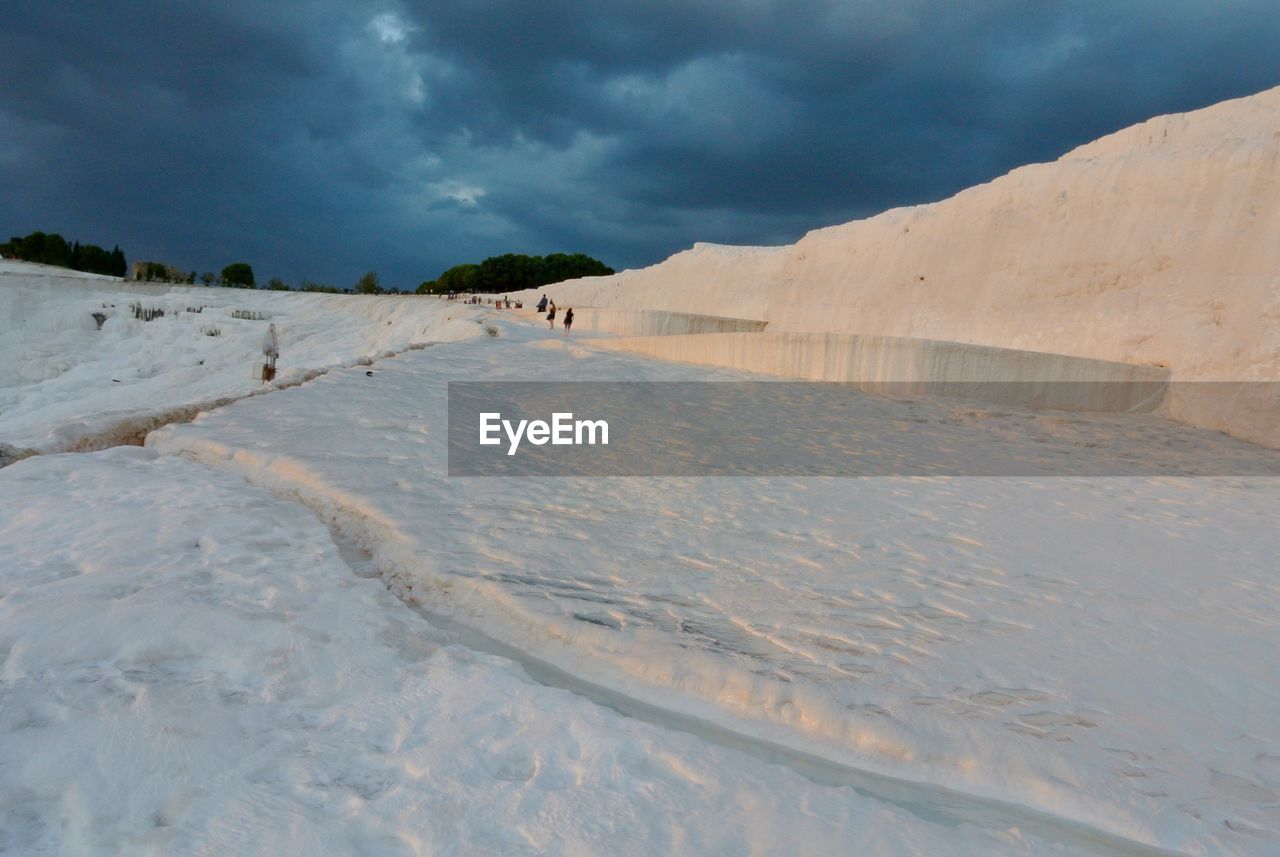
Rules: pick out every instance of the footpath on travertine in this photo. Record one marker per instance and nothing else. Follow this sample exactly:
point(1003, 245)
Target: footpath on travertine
point(1094, 648)
point(190, 667)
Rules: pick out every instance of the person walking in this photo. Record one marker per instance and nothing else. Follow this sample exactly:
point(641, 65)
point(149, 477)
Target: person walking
point(568, 320)
point(551, 316)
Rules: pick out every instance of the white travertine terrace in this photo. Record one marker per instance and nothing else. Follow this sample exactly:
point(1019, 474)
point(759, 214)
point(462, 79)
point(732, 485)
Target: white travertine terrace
point(910, 366)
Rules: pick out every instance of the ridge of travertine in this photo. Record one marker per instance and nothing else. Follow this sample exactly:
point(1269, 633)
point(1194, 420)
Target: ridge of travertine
point(1158, 245)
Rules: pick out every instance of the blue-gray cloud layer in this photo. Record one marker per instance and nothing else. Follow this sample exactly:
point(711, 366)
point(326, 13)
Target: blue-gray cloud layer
point(323, 139)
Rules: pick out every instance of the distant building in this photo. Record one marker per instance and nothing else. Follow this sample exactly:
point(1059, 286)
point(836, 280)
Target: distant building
point(157, 272)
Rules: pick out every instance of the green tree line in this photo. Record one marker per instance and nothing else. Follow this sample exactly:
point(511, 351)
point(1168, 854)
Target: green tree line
point(508, 272)
point(52, 249)
point(511, 272)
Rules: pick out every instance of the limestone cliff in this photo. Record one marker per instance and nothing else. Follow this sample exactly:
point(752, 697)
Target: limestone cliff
point(1157, 245)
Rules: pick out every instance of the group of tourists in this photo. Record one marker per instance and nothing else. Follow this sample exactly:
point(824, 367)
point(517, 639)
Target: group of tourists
point(499, 303)
point(546, 307)
point(549, 307)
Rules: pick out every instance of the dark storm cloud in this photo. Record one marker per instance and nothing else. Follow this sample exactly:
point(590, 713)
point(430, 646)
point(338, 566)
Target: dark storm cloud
point(325, 138)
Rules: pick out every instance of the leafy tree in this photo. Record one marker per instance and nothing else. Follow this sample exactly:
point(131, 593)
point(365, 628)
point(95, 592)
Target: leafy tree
point(56, 251)
point(208, 278)
point(514, 271)
point(30, 248)
point(53, 249)
point(427, 287)
point(92, 258)
point(276, 284)
point(368, 284)
point(238, 274)
point(558, 267)
point(507, 273)
point(459, 278)
point(47, 249)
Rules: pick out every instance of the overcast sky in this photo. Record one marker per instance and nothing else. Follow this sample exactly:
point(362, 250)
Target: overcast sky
point(328, 138)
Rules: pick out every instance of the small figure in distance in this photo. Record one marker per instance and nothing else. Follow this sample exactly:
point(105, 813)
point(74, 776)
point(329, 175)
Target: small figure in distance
point(542, 304)
point(551, 316)
point(568, 320)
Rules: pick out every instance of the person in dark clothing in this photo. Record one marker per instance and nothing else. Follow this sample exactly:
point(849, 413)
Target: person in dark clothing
point(542, 304)
point(551, 316)
point(568, 320)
